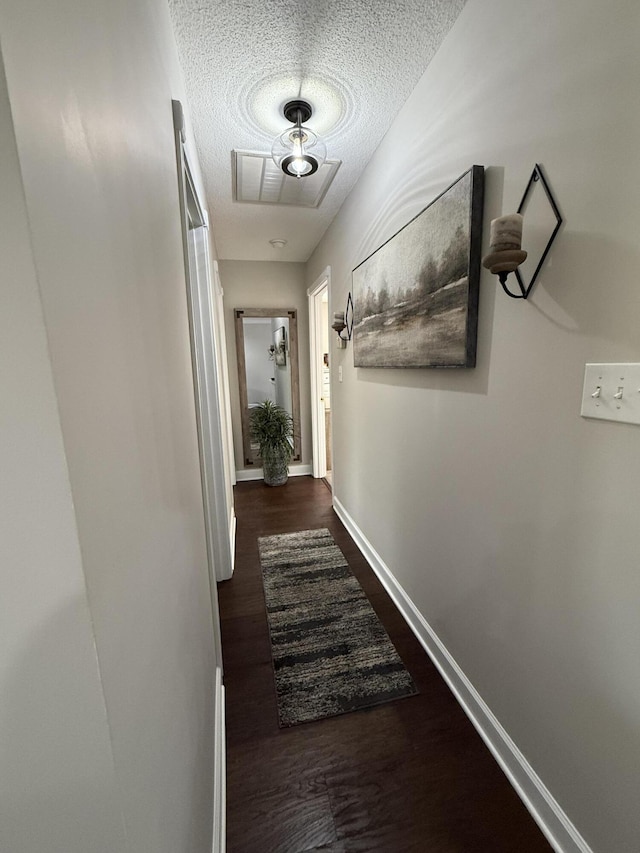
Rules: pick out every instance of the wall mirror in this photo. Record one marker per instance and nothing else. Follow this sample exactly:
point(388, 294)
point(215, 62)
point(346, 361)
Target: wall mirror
point(267, 350)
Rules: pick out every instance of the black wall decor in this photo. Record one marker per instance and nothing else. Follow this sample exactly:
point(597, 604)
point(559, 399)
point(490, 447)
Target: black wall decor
point(527, 280)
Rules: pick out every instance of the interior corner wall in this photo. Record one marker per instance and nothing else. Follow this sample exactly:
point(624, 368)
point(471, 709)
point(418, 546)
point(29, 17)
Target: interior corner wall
point(267, 284)
point(510, 521)
point(90, 84)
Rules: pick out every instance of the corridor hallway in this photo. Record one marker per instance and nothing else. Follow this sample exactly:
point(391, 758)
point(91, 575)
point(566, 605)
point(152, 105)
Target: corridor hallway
point(411, 775)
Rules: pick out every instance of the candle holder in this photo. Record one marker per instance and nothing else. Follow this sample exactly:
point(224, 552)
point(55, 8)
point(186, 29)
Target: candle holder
point(344, 320)
point(338, 326)
point(506, 258)
point(537, 179)
point(506, 252)
point(501, 263)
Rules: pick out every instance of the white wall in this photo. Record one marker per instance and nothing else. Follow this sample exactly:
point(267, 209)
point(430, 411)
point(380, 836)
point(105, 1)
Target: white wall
point(509, 520)
point(90, 85)
point(57, 785)
point(267, 284)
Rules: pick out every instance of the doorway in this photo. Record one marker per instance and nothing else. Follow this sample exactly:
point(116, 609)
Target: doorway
point(320, 356)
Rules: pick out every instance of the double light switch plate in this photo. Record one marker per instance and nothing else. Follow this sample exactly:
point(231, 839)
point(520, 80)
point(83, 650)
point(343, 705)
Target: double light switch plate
point(612, 392)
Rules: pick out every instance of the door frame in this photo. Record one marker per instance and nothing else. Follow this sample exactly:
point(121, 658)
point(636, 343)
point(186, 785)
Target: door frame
point(205, 357)
point(224, 369)
point(208, 400)
point(318, 435)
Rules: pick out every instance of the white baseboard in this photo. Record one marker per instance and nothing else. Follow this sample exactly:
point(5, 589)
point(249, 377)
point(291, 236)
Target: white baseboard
point(232, 539)
point(554, 823)
point(219, 838)
point(300, 470)
point(243, 475)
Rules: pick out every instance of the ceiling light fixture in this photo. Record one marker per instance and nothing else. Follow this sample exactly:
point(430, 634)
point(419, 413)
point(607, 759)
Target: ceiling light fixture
point(278, 242)
point(299, 152)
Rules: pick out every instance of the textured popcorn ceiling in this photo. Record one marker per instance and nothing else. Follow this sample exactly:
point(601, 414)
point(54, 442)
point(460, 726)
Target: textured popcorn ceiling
point(355, 61)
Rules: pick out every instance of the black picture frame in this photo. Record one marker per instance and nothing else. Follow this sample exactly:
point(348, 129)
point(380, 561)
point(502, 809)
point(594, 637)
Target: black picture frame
point(416, 297)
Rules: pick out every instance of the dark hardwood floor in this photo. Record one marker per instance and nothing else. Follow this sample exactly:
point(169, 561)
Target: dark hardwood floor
point(411, 775)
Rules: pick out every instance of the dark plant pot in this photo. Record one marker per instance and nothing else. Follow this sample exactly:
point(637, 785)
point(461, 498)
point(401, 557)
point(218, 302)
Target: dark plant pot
point(275, 468)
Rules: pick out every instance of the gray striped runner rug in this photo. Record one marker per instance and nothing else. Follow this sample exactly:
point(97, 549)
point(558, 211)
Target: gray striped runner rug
point(330, 653)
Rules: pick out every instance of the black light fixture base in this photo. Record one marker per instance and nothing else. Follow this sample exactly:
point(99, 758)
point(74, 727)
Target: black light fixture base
point(292, 109)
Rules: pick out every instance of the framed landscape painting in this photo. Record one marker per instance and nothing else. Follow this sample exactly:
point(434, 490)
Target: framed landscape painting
point(416, 297)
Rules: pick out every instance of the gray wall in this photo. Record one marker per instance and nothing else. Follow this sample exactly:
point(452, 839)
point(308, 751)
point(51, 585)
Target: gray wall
point(107, 659)
point(267, 284)
point(510, 521)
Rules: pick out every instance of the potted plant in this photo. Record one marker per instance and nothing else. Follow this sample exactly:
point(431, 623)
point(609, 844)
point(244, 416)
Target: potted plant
point(271, 427)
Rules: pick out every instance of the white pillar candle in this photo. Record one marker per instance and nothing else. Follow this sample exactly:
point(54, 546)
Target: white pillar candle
point(506, 233)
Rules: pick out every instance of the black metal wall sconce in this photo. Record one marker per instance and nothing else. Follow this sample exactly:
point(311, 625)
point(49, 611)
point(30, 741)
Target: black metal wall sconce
point(343, 321)
point(505, 252)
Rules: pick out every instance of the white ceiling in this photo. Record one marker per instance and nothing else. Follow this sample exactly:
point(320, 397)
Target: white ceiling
point(355, 61)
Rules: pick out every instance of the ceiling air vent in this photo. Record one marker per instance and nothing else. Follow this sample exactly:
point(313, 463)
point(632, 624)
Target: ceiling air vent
point(257, 180)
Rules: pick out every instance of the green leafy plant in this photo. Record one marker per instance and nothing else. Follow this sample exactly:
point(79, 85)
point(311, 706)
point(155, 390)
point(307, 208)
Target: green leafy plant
point(271, 427)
